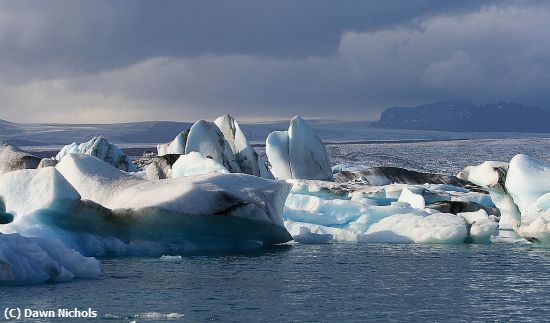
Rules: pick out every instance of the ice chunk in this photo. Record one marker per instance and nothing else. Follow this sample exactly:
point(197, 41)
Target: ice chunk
point(298, 153)
point(527, 180)
point(415, 200)
point(27, 261)
point(26, 191)
point(195, 164)
point(491, 175)
point(206, 138)
point(308, 156)
point(220, 207)
point(307, 237)
point(481, 227)
point(175, 147)
point(246, 156)
point(407, 228)
point(101, 148)
point(158, 168)
point(12, 158)
point(276, 149)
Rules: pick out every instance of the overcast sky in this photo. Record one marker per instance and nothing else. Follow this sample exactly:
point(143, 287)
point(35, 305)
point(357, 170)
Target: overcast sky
point(112, 61)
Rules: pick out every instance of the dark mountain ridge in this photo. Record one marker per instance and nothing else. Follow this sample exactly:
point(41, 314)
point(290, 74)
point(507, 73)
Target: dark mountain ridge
point(464, 116)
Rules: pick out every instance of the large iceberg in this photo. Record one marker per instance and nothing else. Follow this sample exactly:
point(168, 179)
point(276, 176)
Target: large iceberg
point(246, 156)
point(13, 158)
point(298, 153)
point(101, 148)
point(207, 139)
point(221, 210)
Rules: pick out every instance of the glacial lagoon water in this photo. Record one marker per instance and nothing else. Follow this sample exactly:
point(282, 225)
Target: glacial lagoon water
point(334, 283)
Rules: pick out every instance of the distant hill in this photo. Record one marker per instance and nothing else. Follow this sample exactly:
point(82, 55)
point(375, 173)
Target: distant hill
point(463, 116)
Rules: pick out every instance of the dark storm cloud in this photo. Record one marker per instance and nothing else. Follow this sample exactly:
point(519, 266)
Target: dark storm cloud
point(132, 60)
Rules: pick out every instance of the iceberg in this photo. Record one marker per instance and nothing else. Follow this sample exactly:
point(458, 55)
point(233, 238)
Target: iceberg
point(175, 147)
point(527, 180)
point(29, 261)
point(12, 158)
point(298, 153)
point(407, 228)
point(352, 212)
point(207, 139)
point(195, 164)
point(246, 156)
point(308, 156)
point(277, 151)
point(481, 227)
point(218, 210)
point(29, 190)
point(101, 148)
point(491, 175)
point(415, 200)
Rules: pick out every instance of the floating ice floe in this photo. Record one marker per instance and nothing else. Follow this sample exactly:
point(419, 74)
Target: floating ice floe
point(298, 153)
point(28, 261)
point(12, 158)
point(101, 148)
point(352, 212)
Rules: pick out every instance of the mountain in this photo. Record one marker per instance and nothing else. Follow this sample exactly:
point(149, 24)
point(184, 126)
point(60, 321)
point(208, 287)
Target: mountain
point(463, 116)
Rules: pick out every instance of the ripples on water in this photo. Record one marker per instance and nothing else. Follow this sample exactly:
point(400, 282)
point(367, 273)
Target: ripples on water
point(341, 282)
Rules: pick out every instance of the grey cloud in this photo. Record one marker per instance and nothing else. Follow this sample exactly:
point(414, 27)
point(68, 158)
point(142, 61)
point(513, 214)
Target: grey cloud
point(482, 54)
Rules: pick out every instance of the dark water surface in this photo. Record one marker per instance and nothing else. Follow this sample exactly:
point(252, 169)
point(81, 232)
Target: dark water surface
point(341, 282)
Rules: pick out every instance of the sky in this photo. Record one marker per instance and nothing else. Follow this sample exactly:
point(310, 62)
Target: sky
point(107, 61)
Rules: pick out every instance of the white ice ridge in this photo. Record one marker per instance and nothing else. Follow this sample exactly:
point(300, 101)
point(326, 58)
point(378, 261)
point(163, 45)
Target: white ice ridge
point(27, 261)
point(228, 207)
point(175, 147)
point(101, 148)
point(207, 139)
point(298, 153)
